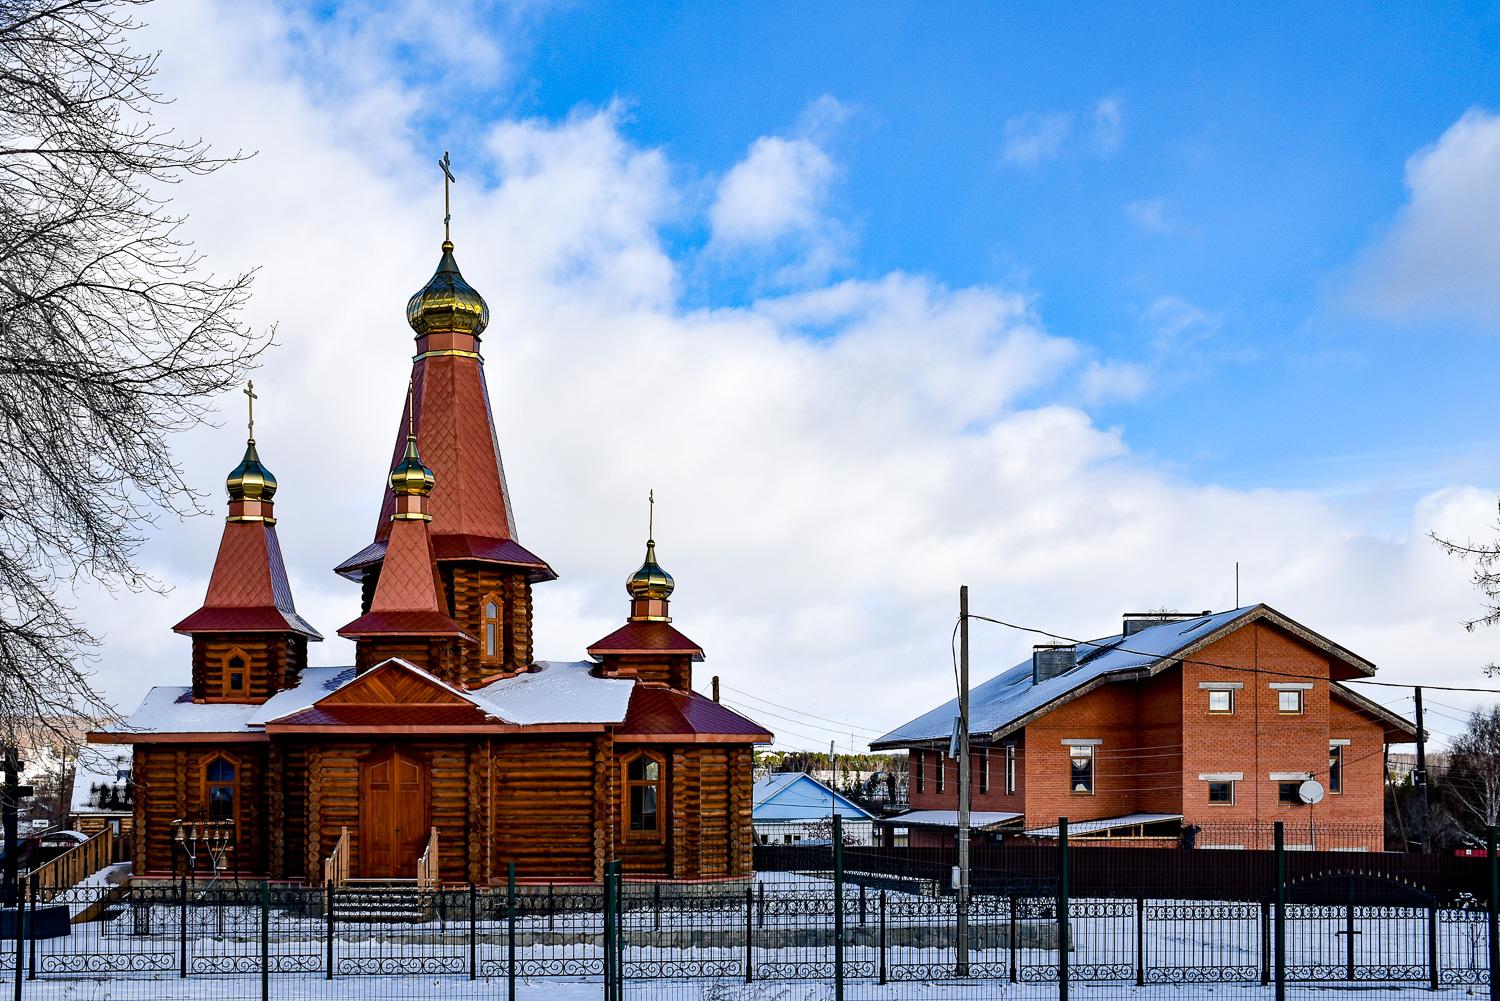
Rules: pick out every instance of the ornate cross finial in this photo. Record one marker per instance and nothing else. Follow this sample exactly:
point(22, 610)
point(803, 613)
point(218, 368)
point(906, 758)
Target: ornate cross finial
point(651, 515)
point(448, 179)
point(411, 408)
point(250, 399)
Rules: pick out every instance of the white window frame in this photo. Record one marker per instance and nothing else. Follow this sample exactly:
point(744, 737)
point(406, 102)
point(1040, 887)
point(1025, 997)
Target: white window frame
point(1228, 695)
point(1336, 747)
point(1231, 783)
point(1010, 769)
point(1295, 693)
point(1077, 751)
point(984, 769)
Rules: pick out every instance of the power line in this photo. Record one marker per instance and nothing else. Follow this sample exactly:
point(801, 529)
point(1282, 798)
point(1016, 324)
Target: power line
point(845, 724)
point(1156, 656)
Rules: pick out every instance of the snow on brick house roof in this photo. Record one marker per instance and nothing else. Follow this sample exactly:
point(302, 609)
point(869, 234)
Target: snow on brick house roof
point(1009, 700)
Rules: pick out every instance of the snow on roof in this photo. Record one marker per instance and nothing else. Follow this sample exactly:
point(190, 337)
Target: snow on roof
point(799, 796)
point(1007, 697)
point(949, 818)
point(555, 691)
point(552, 692)
point(171, 709)
point(1105, 824)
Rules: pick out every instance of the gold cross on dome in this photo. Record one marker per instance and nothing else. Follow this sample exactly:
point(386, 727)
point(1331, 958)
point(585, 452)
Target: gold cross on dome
point(448, 179)
point(650, 515)
point(250, 399)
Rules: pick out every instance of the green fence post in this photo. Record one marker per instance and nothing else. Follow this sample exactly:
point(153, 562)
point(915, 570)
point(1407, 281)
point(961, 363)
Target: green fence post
point(1062, 909)
point(20, 920)
point(473, 931)
point(1494, 914)
point(1280, 918)
point(619, 931)
point(838, 908)
point(609, 931)
point(883, 971)
point(749, 934)
point(265, 941)
point(182, 923)
point(1432, 946)
point(328, 936)
point(1140, 942)
point(31, 970)
point(510, 930)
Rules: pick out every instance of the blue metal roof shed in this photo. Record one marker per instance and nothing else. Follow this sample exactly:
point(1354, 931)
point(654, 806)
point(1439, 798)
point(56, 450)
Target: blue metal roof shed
point(793, 796)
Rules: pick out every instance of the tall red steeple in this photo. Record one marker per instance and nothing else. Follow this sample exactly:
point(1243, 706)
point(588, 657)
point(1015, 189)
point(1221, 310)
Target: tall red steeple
point(472, 517)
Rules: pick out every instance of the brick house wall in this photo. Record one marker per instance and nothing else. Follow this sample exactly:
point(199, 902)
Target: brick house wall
point(1157, 739)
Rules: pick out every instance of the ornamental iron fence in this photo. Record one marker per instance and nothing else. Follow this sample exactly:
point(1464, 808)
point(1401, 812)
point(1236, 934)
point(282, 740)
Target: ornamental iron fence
point(824, 930)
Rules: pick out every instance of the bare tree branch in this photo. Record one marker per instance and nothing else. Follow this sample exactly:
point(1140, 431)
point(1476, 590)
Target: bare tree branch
point(112, 338)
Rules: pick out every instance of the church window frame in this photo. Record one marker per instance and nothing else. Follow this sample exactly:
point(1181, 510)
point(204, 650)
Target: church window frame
point(234, 664)
point(491, 628)
point(220, 788)
point(643, 794)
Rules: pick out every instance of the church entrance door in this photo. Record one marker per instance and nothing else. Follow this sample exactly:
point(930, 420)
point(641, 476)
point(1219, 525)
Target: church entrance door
point(393, 815)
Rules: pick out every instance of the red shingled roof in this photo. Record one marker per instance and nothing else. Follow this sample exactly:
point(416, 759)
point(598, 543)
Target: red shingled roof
point(385, 716)
point(646, 638)
point(456, 435)
point(457, 547)
point(406, 599)
point(248, 590)
point(665, 712)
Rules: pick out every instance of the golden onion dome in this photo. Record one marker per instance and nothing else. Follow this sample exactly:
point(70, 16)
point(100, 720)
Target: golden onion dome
point(412, 477)
point(650, 581)
point(447, 303)
point(250, 480)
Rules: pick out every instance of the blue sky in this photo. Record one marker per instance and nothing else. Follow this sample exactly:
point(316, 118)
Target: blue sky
point(1262, 151)
point(1078, 307)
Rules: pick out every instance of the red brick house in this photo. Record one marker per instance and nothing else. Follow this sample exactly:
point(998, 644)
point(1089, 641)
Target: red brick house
point(1201, 726)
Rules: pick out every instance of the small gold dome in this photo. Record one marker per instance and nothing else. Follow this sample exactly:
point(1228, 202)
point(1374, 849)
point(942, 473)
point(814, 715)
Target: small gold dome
point(650, 581)
point(447, 303)
point(411, 477)
point(250, 480)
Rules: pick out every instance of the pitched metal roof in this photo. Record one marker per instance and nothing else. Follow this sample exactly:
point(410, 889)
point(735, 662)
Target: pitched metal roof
point(248, 590)
point(1010, 699)
point(788, 796)
point(646, 638)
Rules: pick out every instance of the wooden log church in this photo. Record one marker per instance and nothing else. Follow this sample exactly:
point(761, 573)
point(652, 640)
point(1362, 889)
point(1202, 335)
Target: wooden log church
point(446, 751)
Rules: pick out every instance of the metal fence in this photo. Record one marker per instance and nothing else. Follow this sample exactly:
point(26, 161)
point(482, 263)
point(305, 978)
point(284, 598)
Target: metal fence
point(817, 930)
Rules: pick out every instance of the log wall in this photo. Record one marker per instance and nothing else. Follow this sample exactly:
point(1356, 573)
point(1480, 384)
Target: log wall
point(168, 780)
point(674, 671)
point(467, 585)
point(272, 662)
point(544, 807)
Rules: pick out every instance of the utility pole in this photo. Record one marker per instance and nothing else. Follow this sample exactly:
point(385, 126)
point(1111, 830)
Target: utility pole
point(1420, 775)
point(833, 800)
point(964, 768)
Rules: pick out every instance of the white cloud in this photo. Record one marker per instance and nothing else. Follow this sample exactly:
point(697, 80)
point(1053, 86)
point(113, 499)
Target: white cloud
point(1151, 215)
point(1176, 323)
point(829, 465)
point(773, 203)
point(1108, 126)
point(1034, 137)
point(777, 189)
point(1441, 254)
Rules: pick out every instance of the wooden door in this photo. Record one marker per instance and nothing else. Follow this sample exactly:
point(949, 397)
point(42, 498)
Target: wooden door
point(393, 815)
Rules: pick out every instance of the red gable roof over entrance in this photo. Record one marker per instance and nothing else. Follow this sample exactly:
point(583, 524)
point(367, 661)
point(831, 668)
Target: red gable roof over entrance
point(657, 713)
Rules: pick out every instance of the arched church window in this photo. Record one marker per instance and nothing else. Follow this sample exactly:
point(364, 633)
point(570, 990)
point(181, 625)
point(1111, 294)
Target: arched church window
point(236, 674)
point(490, 627)
point(644, 801)
point(220, 789)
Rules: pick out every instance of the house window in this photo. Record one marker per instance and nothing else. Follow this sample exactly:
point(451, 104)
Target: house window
point(490, 628)
point(1335, 768)
point(236, 674)
point(919, 765)
point(643, 798)
point(1010, 769)
point(1221, 793)
point(1081, 770)
point(984, 769)
point(941, 768)
point(1221, 700)
point(220, 789)
point(1289, 701)
point(1286, 792)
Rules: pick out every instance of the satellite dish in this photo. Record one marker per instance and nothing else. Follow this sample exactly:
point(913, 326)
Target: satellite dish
point(1310, 791)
